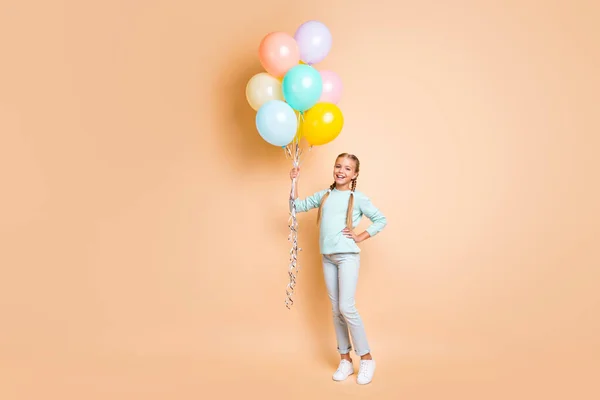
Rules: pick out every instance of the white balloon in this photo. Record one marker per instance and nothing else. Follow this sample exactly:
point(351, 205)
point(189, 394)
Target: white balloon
point(262, 88)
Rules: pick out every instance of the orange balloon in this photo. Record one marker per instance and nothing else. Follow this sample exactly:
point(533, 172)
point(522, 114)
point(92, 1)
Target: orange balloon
point(278, 52)
point(322, 123)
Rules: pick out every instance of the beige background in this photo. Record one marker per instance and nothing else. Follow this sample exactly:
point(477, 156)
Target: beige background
point(143, 221)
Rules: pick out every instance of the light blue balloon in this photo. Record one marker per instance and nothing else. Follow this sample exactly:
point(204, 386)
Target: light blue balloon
point(302, 87)
point(276, 122)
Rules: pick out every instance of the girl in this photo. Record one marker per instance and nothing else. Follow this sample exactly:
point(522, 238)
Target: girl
point(341, 208)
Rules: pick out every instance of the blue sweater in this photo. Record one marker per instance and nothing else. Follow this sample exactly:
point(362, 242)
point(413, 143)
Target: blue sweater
point(333, 218)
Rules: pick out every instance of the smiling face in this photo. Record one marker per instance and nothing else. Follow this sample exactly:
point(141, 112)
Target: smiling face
point(344, 171)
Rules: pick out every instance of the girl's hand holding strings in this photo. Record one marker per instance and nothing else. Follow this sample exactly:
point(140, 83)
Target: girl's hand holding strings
point(294, 173)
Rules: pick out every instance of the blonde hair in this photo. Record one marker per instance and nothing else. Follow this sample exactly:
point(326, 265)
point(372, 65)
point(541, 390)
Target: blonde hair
point(352, 188)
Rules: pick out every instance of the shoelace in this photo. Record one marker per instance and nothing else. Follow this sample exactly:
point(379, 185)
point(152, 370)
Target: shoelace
point(364, 368)
point(342, 365)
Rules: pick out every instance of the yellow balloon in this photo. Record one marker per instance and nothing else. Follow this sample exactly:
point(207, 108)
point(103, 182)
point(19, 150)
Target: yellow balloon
point(261, 88)
point(322, 123)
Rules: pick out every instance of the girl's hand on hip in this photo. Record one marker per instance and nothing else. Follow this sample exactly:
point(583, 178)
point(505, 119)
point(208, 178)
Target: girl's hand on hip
point(350, 234)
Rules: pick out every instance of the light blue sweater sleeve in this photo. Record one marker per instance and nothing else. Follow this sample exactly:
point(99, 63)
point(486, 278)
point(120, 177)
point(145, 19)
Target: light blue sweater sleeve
point(312, 201)
point(379, 221)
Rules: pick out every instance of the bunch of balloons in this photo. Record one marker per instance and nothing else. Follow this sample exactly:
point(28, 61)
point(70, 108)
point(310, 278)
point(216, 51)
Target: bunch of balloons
point(292, 98)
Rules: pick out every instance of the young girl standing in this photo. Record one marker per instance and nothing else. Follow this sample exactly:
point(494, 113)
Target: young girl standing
point(341, 208)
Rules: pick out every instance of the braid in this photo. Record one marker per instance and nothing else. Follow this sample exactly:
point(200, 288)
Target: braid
point(351, 205)
point(325, 196)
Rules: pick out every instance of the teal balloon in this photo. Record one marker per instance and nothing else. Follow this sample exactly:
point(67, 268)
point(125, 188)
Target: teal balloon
point(302, 87)
point(276, 122)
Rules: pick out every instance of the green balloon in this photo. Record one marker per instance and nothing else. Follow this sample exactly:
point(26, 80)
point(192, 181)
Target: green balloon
point(302, 87)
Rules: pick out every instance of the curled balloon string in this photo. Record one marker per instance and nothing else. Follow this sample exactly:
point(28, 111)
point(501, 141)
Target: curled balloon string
point(293, 147)
point(293, 151)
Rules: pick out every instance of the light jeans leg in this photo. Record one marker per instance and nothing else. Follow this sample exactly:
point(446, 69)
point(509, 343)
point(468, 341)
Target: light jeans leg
point(341, 278)
point(330, 272)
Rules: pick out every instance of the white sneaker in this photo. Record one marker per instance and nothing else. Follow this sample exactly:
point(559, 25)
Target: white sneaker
point(345, 369)
point(365, 372)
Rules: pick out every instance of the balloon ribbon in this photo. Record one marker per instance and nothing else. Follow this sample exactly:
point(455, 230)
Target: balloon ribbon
point(293, 151)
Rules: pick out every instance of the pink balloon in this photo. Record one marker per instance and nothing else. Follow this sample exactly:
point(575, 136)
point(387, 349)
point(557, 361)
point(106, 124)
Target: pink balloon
point(278, 52)
point(332, 87)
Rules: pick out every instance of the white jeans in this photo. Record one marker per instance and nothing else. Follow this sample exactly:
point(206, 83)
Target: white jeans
point(341, 277)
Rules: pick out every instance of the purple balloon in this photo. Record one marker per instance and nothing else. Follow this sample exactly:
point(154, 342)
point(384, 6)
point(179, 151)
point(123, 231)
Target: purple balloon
point(314, 41)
